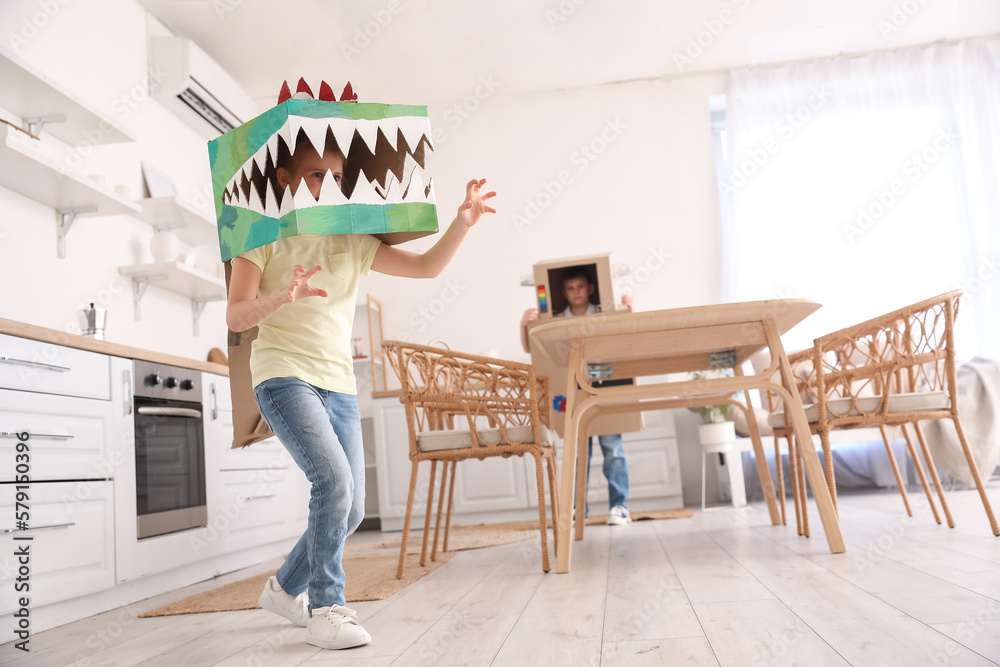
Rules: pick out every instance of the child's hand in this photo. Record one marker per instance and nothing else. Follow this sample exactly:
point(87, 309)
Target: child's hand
point(628, 302)
point(530, 315)
point(475, 204)
point(299, 287)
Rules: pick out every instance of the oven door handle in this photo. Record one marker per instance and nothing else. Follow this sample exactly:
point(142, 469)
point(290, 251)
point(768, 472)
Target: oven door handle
point(169, 412)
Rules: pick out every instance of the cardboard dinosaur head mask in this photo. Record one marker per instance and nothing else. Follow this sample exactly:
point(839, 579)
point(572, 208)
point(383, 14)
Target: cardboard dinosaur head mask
point(384, 189)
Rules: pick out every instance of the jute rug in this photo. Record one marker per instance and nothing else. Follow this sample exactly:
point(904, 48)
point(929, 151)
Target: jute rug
point(370, 569)
point(371, 566)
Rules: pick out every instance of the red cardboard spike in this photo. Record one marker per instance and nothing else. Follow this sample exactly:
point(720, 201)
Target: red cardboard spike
point(285, 93)
point(326, 92)
point(303, 87)
point(348, 94)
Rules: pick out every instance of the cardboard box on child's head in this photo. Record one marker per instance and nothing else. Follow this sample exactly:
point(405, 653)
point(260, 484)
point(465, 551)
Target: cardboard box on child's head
point(551, 302)
point(549, 276)
point(385, 191)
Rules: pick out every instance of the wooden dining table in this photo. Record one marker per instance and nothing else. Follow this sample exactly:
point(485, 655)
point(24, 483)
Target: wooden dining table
point(588, 350)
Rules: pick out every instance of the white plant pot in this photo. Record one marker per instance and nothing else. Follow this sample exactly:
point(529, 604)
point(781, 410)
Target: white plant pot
point(717, 433)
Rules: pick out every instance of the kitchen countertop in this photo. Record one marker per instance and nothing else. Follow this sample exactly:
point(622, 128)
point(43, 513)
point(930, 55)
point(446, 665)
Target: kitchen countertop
point(55, 337)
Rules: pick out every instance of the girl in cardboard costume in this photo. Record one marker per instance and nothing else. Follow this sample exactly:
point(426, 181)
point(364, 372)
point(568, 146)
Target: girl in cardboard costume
point(310, 195)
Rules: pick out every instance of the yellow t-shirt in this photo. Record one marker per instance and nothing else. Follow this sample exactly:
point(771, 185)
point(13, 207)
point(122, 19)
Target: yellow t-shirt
point(311, 338)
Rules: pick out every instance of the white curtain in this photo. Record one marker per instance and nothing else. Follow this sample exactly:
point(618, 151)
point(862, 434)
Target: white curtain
point(867, 184)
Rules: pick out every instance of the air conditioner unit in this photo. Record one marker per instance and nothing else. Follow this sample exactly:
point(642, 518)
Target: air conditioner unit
point(196, 88)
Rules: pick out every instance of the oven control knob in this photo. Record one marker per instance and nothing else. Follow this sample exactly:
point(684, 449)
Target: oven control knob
point(153, 379)
point(187, 384)
point(170, 383)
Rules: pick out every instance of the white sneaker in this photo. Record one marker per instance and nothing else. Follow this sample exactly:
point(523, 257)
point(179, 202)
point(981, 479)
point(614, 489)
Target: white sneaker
point(619, 516)
point(274, 599)
point(335, 627)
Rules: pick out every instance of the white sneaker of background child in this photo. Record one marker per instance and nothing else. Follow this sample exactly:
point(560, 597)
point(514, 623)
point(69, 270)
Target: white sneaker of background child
point(619, 516)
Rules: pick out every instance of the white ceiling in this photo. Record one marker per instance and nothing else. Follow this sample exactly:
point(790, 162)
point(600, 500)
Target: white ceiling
point(425, 51)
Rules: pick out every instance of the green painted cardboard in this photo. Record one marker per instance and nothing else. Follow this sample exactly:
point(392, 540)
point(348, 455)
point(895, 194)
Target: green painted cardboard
point(386, 191)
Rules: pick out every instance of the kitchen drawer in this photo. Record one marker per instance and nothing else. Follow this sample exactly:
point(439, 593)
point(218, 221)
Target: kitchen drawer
point(67, 561)
point(266, 454)
point(70, 438)
point(31, 365)
point(219, 433)
point(255, 507)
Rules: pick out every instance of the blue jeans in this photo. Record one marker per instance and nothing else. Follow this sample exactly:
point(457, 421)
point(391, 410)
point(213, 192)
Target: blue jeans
point(615, 467)
point(322, 431)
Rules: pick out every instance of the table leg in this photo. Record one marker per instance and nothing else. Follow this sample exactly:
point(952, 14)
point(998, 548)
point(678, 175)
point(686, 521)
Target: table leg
point(582, 443)
point(766, 485)
point(814, 472)
point(564, 540)
point(583, 454)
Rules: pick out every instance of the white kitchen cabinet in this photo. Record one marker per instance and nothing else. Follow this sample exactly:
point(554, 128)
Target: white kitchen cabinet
point(491, 484)
point(265, 454)
point(481, 487)
point(506, 488)
point(69, 437)
point(392, 462)
point(62, 397)
point(261, 494)
point(83, 513)
point(371, 472)
point(653, 466)
point(254, 508)
point(71, 550)
point(37, 366)
point(219, 432)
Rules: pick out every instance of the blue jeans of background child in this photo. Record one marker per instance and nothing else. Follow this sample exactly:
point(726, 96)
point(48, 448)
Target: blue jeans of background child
point(615, 467)
point(322, 431)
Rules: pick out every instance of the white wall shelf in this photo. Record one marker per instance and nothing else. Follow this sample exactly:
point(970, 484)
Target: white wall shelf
point(190, 226)
point(27, 171)
point(178, 278)
point(33, 96)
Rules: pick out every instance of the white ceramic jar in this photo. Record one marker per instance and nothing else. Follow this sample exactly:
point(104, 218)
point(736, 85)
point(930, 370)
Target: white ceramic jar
point(165, 246)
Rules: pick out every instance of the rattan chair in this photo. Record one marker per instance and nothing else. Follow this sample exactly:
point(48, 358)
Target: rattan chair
point(803, 368)
point(462, 406)
point(894, 370)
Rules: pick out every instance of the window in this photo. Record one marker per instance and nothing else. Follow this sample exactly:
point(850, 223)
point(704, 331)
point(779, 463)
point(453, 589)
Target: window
point(861, 204)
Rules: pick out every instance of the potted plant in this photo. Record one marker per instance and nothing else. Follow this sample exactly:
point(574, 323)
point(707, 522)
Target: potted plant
point(715, 427)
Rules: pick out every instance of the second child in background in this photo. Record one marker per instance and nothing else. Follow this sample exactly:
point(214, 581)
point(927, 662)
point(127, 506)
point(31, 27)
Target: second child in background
point(577, 289)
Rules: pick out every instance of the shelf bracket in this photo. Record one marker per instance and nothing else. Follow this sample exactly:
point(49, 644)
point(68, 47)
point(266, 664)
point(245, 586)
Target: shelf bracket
point(67, 216)
point(197, 308)
point(34, 125)
point(139, 286)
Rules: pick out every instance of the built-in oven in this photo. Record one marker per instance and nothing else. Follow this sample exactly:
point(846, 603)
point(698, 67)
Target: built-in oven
point(169, 449)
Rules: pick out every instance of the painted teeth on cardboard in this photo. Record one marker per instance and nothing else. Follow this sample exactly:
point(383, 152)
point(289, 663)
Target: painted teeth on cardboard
point(391, 153)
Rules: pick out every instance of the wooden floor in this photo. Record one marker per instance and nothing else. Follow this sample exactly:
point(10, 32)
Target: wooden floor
point(723, 588)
